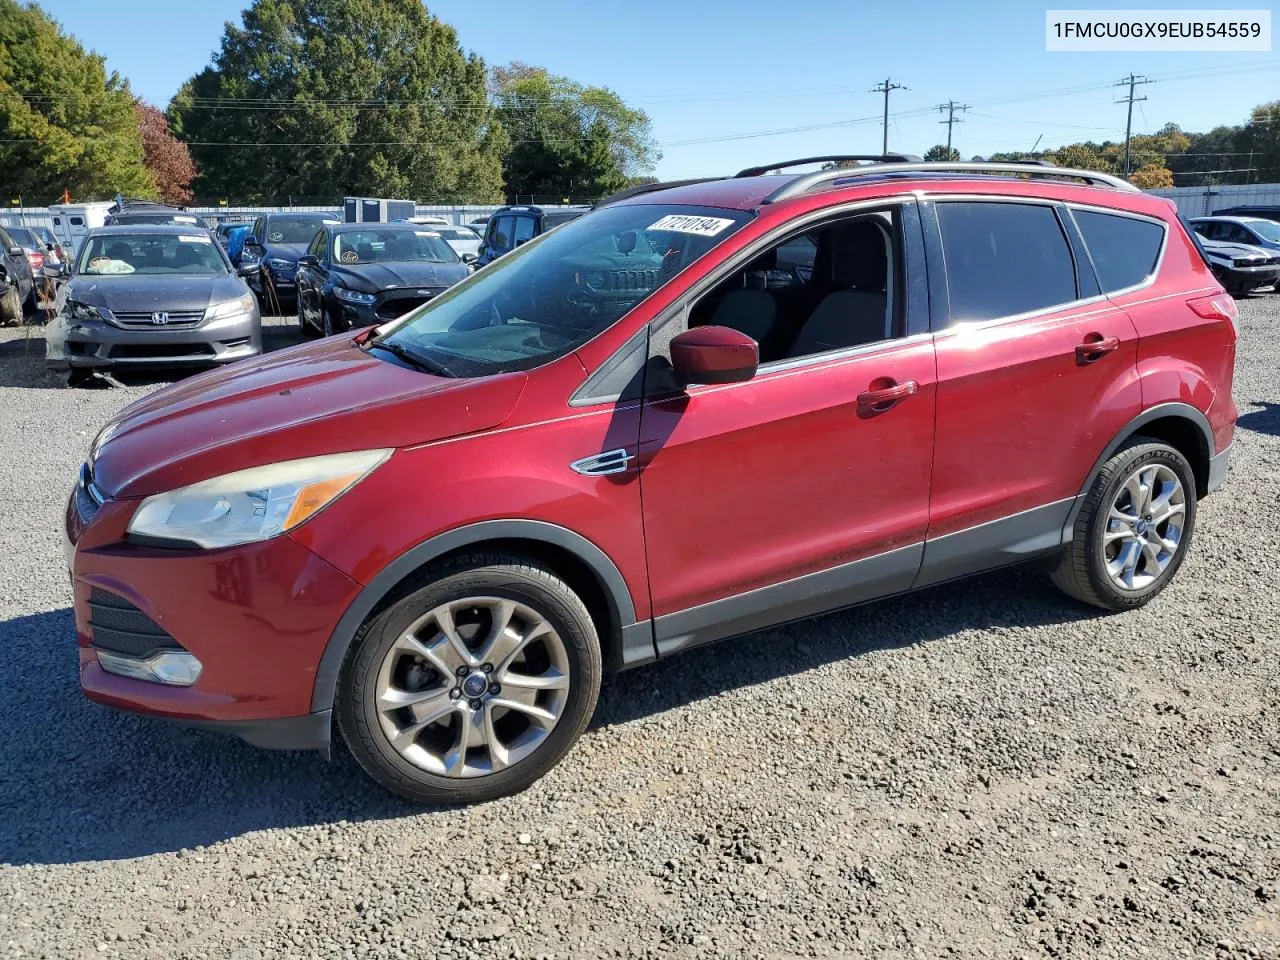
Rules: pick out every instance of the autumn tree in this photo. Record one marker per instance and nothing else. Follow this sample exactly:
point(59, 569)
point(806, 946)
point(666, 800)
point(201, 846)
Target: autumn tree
point(65, 123)
point(568, 140)
point(1151, 176)
point(167, 158)
point(316, 99)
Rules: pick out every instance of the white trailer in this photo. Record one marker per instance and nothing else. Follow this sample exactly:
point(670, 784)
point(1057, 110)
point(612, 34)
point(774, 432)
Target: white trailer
point(71, 221)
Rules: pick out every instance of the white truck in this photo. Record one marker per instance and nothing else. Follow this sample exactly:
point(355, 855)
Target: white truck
point(71, 221)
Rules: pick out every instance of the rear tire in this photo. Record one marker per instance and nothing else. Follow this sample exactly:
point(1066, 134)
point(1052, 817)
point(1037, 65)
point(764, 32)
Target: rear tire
point(1133, 530)
point(423, 715)
point(10, 306)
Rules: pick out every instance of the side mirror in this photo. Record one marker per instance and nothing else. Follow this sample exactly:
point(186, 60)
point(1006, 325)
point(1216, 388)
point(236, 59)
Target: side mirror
point(15, 251)
point(714, 355)
point(251, 242)
point(469, 258)
point(307, 260)
point(247, 268)
point(49, 247)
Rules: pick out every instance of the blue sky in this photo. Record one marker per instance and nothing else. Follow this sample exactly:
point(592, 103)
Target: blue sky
point(712, 70)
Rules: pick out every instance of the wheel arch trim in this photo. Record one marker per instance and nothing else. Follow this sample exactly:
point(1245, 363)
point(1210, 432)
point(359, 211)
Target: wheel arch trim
point(1161, 411)
point(606, 572)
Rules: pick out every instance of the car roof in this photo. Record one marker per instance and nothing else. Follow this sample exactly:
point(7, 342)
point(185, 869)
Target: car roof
point(380, 225)
point(1232, 218)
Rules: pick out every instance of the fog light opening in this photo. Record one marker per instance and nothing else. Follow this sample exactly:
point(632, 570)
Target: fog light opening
point(176, 668)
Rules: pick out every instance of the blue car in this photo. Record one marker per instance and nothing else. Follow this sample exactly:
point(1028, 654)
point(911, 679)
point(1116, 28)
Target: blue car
point(269, 260)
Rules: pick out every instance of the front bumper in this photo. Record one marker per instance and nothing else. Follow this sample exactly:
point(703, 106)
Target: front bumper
point(258, 617)
point(1250, 278)
point(96, 344)
point(389, 305)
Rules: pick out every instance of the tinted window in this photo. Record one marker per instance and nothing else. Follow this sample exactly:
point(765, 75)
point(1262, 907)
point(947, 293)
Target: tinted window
point(295, 229)
point(1124, 250)
point(318, 245)
point(500, 234)
point(1004, 259)
point(550, 220)
point(524, 229)
point(23, 236)
point(77, 221)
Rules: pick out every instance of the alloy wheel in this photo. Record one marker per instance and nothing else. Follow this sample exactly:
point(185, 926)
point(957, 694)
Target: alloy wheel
point(472, 687)
point(1144, 527)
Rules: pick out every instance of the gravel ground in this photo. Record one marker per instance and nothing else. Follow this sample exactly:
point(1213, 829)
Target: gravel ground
point(982, 770)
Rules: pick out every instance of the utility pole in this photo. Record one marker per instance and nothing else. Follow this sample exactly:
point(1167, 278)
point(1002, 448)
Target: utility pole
point(951, 107)
point(1130, 81)
point(885, 88)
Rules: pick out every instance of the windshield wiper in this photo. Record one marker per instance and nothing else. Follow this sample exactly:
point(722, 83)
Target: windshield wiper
point(416, 359)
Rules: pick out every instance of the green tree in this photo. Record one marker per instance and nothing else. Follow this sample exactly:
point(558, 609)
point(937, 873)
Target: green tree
point(1083, 156)
point(939, 152)
point(568, 140)
point(316, 99)
point(1261, 139)
point(65, 123)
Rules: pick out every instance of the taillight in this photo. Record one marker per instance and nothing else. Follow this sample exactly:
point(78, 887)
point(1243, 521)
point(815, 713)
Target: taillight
point(37, 260)
point(1221, 306)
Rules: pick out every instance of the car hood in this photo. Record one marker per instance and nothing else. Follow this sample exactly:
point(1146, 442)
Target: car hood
point(375, 277)
point(144, 293)
point(284, 251)
point(1224, 249)
point(325, 397)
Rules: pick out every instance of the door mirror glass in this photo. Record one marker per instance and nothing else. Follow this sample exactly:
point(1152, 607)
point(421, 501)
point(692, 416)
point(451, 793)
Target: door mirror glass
point(307, 260)
point(714, 355)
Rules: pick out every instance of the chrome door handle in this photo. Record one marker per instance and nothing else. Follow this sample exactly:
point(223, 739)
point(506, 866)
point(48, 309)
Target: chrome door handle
point(603, 464)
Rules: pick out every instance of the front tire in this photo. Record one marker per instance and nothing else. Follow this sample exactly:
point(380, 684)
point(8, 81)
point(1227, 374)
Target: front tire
point(472, 686)
point(1134, 528)
point(10, 307)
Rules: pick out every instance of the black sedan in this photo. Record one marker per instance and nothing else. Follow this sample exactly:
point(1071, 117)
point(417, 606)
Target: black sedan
point(360, 274)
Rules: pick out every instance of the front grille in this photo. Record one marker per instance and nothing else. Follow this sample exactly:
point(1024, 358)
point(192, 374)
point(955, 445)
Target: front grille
point(390, 309)
point(146, 320)
point(630, 280)
point(153, 351)
point(120, 627)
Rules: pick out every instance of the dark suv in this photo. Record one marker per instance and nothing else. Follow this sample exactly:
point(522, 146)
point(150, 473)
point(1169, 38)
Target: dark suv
point(693, 413)
point(509, 227)
point(126, 213)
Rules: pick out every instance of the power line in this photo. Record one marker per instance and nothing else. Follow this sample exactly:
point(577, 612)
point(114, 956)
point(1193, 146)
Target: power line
point(886, 87)
point(951, 107)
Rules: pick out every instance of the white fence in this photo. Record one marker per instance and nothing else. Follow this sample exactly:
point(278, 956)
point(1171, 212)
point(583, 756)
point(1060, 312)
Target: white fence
point(1202, 201)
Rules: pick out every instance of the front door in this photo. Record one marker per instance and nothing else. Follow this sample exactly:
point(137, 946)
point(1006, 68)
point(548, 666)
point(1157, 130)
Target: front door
point(807, 487)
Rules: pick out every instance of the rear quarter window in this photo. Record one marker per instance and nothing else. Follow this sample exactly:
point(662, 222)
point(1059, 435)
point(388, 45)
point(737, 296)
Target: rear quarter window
point(1124, 250)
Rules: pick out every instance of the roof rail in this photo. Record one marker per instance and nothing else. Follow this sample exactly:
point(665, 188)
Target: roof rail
point(834, 158)
point(807, 182)
point(643, 188)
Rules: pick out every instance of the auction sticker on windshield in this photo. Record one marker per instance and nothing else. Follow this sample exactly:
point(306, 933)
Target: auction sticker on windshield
point(683, 223)
point(193, 238)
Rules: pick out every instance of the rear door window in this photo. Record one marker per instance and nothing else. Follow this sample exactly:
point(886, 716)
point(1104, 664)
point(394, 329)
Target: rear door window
point(1004, 259)
point(500, 234)
point(524, 230)
point(1124, 249)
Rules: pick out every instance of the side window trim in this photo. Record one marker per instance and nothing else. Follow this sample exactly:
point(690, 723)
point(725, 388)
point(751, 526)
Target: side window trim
point(1088, 283)
point(940, 288)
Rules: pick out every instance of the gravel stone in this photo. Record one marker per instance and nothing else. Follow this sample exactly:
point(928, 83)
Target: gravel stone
point(984, 769)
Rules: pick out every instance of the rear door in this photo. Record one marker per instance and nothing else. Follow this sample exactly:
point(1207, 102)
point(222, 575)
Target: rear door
point(1036, 374)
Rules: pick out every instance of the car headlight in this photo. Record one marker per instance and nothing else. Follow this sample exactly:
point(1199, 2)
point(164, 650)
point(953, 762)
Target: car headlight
point(231, 308)
point(84, 311)
point(275, 263)
point(353, 296)
point(254, 504)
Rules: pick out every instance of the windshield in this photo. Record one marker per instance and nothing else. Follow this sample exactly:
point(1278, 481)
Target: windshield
point(155, 219)
point(392, 246)
point(295, 229)
point(193, 254)
point(44, 234)
point(558, 291)
point(1267, 229)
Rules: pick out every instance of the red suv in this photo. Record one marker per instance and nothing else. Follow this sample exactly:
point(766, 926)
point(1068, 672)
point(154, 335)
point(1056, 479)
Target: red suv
point(699, 410)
